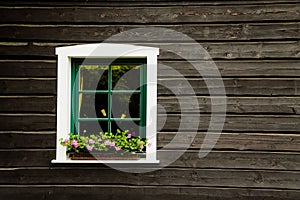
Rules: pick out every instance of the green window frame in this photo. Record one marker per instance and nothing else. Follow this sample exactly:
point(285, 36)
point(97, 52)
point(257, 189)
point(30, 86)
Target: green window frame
point(76, 91)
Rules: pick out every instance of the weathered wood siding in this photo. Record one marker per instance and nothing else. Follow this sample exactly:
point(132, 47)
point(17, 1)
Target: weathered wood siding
point(255, 44)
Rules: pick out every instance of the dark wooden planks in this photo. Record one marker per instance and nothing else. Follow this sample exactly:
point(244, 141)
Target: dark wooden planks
point(22, 104)
point(28, 122)
point(232, 68)
point(28, 86)
point(116, 192)
point(254, 105)
point(237, 123)
point(148, 14)
point(233, 141)
point(174, 177)
point(24, 68)
point(97, 33)
point(39, 140)
point(215, 50)
point(188, 159)
point(170, 86)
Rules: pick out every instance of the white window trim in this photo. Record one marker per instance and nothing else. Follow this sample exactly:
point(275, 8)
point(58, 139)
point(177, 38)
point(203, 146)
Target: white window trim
point(104, 50)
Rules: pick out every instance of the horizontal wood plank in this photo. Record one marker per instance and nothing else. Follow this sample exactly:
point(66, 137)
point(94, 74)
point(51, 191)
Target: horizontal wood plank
point(244, 68)
point(188, 159)
point(11, 68)
point(22, 104)
point(233, 141)
point(116, 192)
point(170, 122)
point(172, 14)
point(258, 105)
point(171, 86)
point(97, 33)
point(174, 177)
point(221, 50)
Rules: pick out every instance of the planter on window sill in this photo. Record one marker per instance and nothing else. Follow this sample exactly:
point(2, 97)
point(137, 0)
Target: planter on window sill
point(105, 156)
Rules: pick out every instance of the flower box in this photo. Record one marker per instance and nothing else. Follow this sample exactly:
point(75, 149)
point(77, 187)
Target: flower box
point(105, 156)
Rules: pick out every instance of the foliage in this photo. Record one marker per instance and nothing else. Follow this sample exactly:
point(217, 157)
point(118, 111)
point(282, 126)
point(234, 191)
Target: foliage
point(122, 141)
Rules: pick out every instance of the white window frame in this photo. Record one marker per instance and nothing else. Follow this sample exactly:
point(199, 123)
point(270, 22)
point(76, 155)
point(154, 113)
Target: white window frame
point(104, 50)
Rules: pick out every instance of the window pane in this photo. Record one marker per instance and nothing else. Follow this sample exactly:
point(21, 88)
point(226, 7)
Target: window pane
point(125, 77)
point(133, 127)
point(93, 77)
point(92, 127)
point(100, 105)
point(125, 106)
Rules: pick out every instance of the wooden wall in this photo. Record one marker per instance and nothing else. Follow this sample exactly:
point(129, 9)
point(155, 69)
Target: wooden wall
point(256, 46)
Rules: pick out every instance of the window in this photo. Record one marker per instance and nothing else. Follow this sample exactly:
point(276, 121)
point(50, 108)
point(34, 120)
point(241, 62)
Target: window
point(105, 87)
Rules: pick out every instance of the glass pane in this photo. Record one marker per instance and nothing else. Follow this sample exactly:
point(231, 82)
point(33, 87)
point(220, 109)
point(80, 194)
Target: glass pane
point(92, 127)
point(125, 106)
point(93, 77)
point(132, 127)
point(100, 105)
point(125, 77)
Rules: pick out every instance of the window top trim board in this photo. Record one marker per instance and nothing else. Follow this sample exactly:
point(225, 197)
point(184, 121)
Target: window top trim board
point(104, 50)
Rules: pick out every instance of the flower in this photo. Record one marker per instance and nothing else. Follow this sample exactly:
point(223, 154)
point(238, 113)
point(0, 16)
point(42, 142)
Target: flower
point(129, 136)
point(118, 148)
point(91, 141)
point(66, 140)
point(100, 140)
point(75, 143)
point(107, 142)
point(112, 144)
point(89, 148)
point(142, 147)
point(149, 144)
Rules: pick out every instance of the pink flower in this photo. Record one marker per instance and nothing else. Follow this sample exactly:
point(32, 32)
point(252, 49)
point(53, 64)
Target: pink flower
point(100, 140)
point(112, 144)
point(66, 140)
point(129, 136)
point(91, 141)
point(118, 148)
point(89, 148)
point(75, 143)
point(149, 144)
point(142, 147)
point(107, 142)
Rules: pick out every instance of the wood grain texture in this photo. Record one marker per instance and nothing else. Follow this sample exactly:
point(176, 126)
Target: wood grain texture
point(171, 86)
point(170, 122)
point(232, 68)
point(98, 33)
point(29, 104)
point(226, 141)
point(167, 177)
point(148, 14)
point(253, 105)
point(116, 192)
point(214, 50)
point(189, 159)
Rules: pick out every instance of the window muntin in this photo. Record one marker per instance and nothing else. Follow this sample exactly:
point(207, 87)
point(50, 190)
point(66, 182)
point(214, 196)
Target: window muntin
point(108, 96)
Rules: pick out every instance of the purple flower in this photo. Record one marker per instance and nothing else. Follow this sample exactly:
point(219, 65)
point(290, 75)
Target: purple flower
point(89, 148)
point(118, 148)
point(75, 143)
point(91, 141)
point(100, 140)
point(149, 144)
point(112, 144)
point(107, 142)
point(129, 136)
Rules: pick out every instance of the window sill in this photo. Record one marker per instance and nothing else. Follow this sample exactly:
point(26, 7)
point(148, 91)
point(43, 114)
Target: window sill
point(141, 161)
